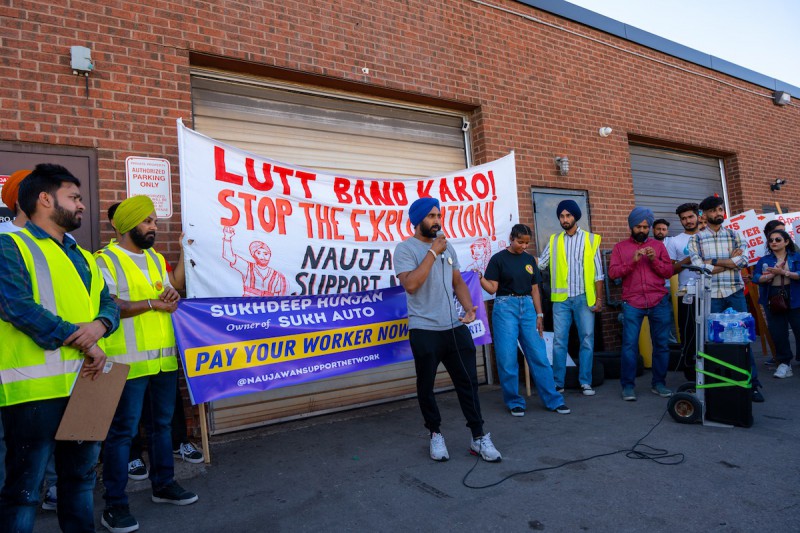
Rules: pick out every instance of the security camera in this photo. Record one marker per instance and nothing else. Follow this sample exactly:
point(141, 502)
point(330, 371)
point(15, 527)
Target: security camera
point(465, 126)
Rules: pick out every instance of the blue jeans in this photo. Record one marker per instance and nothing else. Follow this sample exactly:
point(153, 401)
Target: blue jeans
point(160, 402)
point(514, 318)
point(738, 303)
point(574, 308)
point(660, 319)
point(31, 441)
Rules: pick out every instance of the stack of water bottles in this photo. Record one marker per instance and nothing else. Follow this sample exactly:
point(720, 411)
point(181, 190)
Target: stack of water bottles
point(731, 326)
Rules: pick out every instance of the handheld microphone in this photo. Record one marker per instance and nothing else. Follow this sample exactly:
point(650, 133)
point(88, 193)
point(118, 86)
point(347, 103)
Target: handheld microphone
point(440, 233)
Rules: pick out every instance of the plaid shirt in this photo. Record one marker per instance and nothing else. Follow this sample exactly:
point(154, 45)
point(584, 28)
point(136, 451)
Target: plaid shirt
point(708, 244)
point(17, 305)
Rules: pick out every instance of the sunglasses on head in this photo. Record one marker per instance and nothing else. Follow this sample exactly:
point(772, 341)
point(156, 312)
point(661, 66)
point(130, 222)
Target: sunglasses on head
point(776, 239)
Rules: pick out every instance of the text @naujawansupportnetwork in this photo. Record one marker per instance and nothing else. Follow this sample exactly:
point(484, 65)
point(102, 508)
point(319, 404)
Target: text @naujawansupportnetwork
point(304, 370)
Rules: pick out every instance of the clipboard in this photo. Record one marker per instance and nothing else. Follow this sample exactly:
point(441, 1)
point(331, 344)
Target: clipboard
point(92, 404)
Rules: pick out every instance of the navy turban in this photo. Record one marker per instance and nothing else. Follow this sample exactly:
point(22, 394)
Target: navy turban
point(572, 208)
point(420, 209)
point(640, 214)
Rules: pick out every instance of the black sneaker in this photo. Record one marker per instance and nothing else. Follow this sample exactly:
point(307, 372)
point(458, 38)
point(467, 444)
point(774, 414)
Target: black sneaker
point(188, 453)
point(757, 396)
point(118, 519)
point(517, 411)
point(137, 470)
point(562, 410)
point(559, 390)
point(174, 494)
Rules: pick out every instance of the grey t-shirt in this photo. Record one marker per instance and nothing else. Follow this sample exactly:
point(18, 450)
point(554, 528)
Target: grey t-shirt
point(432, 307)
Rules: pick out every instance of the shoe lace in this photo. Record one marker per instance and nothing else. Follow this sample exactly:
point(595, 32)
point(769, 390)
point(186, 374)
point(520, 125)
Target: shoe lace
point(137, 463)
point(437, 440)
point(188, 448)
point(485, 442)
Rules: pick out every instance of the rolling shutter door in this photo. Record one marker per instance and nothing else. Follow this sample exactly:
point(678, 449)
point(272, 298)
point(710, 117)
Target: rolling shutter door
point(339, 134)
point(664, 179)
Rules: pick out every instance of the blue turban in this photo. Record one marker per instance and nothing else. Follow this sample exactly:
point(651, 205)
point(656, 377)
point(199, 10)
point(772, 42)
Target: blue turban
point(572, 208)
point(420, 209)
point(640, 214)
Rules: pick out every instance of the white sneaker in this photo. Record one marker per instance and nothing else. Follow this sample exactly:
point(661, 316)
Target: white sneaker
point(438, 448)
point(483, 446)
point(587, 390)
point(783, 371)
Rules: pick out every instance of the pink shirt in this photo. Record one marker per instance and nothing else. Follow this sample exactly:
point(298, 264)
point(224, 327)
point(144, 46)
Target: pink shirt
point(642, 281)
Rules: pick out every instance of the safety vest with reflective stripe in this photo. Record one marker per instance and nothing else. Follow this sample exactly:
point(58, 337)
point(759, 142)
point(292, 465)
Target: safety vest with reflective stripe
point(146, 342)
point(28, 372)
point(559, 267)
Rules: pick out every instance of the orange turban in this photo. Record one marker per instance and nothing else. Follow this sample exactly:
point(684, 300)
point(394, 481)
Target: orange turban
point(11, 188)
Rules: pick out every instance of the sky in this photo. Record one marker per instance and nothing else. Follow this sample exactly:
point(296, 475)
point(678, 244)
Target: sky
point(762, 35)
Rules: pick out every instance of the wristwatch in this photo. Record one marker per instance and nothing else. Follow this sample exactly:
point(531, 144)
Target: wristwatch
point(714, 262)
point(539, 315)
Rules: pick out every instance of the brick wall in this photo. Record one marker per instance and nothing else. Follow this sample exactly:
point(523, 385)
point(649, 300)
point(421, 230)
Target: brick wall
point(538, 90)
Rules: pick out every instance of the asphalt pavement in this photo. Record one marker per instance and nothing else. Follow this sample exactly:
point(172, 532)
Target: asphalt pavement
point(368, 470)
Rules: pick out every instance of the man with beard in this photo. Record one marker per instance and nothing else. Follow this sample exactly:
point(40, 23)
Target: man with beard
point(678, 250)
point(258, 278)
point(54, 309)
point(721, 251)
point(137, 278)
point(576, 289)
point(428, 269)
point(661, 230)
point(643, 264)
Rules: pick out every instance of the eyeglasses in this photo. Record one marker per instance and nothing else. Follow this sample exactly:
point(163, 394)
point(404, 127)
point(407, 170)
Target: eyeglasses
point(776, 240)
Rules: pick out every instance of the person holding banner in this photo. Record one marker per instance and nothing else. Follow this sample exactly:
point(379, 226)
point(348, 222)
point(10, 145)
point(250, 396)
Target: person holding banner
point(576, 290)
point(54, 311)
point(513, 275)
point(428, 269)
point(137, 277)
point(721, 251)
point(779, 274)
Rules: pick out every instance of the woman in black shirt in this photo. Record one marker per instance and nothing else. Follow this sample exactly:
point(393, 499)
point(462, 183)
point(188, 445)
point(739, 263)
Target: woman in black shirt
point(517, 319)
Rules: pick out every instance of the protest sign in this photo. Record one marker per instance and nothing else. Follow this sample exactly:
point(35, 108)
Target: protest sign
point(750, 228)
point(233, 346)
point(259, 227)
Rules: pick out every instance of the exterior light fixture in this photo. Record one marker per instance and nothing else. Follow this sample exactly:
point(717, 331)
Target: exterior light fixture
point(605, 131)
point(563, 165)
point(777, 185)
point(781, 98)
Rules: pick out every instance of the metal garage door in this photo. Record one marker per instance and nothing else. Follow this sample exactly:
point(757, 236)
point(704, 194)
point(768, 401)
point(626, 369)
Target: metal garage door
point(336, 133)
point(664, 179)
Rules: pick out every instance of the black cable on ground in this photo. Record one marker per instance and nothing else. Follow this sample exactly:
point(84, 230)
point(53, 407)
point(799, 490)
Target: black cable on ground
point(637, 451)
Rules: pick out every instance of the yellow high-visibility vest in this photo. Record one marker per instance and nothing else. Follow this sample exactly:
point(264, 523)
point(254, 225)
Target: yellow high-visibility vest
point(559, 267)
point(146, 342)
point(28, 372)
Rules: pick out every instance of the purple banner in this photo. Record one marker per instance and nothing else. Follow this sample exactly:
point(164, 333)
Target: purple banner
point(233, 346)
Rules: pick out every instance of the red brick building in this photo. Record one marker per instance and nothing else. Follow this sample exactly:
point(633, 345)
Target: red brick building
point(541, 83)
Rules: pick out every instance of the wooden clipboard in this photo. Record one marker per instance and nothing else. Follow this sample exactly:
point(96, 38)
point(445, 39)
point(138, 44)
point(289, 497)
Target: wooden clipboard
point(92, 404)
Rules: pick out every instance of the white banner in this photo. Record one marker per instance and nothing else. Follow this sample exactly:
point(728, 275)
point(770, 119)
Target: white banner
point(259, 227)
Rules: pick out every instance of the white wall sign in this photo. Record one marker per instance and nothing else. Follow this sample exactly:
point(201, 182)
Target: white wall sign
point(149, 176)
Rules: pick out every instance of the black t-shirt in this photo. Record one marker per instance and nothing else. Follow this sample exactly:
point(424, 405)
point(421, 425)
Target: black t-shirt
point(515, 273)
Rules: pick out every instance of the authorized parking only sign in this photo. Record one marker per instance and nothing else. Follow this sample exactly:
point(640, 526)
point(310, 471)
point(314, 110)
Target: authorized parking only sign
point(149, 176)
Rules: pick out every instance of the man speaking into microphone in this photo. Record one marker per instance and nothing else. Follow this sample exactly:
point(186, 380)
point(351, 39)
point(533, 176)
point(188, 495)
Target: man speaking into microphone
point(427, 267)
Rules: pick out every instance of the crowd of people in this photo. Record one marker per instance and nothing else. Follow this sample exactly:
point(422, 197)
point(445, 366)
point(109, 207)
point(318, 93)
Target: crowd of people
point(65, 312)
point(428, 269)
